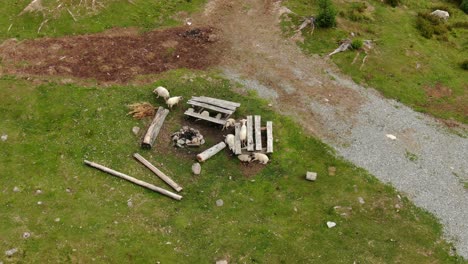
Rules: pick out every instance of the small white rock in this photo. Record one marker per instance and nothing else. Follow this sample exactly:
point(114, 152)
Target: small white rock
point(223, 261)
point(38, 191)
point(219, 202)
point(311, 176)
point(331, 224)
point(4, 137)
point(135, 130)
point(11, 252)
point(390, 136)
point(68, 190)
point(26, 235)
point(39, 203)
point(361, 200)
point(129, 203)
point(16, 189)
point(196, 168)
point(57, 219)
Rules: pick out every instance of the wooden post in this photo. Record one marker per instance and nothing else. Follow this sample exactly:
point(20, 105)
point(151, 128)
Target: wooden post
point(258, 133)
point(159, 173)
point(133, 180)
point(154, 128)
point(237, 142)
point(211, 151)
point(269, 137)
point(250, 141)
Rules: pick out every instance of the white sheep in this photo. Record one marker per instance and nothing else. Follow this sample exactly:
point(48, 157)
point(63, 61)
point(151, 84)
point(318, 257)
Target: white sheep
point(243, 132)
point(161, 91)
point(229, 139)
point(229, 123)
point(441, 14)
point(262, 158)
point(205, 113)
point(244, 158)
point(173, 101)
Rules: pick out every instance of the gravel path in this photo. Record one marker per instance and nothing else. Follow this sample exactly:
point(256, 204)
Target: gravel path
point(425, 161)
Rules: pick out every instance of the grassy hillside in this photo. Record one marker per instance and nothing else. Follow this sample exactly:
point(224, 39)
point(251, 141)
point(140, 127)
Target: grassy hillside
point(271, 214)
point(420, 72)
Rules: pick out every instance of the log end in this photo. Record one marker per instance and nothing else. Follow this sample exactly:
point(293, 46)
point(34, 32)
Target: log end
point(200, 158)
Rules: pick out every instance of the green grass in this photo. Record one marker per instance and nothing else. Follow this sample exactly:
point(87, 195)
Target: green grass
point(391, 67)
point(275, 216)
point(143, 14)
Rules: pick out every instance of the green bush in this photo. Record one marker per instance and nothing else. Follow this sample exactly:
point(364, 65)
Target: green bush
point(327, 14)
point(464, 65)
point(356, 44)
point(424, 27)
point(356, 12)
point(393, 3)
point(429, 25)
point(464, 6)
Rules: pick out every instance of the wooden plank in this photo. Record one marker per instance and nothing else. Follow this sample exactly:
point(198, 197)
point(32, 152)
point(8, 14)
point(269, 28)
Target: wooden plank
point(211, 151)
point(269, 137)
point(159, 173)
point(250, 140)
point(216, 102)
point(154, 128)
point(133, 180)
point(258, 133)
point(207, 118)
point(237, 142)
point(212, 107)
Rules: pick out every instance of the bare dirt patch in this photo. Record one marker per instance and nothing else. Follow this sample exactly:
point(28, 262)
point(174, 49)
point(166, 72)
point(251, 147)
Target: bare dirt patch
point(438, 91)
point(113, 56)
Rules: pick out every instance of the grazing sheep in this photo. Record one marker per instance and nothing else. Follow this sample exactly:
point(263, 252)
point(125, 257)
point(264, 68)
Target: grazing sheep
point(243, 133)
point(441, 14)
point(230, 141)
point(205, 113)
point(244, 158)
point(229, 123)
point(173, 101)
point(262, 158)
point(161, 91)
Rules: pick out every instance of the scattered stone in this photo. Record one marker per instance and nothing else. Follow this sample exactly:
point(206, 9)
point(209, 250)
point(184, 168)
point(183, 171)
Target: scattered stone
point(219, 202)
point(361, 200)
point(331, 171)
point(270, 105)
point(4, 137)
point(129, 203)
point(196, 168)
point(390, 136)
point(397, 206)
point(38, 191)
point(311, 176)
point(135, 130)
point(68, 190)
point(39, 203)
point(16, 189)
point(331, 224)
point(26, 235)
point(223, 261)
point(187, 136)
point(11, 252)
point(57, 219)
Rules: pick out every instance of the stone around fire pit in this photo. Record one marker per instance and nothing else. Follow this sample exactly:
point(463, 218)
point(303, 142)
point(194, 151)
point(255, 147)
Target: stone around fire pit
point(187, 136)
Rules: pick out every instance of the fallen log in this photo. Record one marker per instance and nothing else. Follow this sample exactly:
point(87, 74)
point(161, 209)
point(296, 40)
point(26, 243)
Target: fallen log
point(154, 128)
point(211, 152)
point(159, 173)
point(133, 180)
point(345, 45)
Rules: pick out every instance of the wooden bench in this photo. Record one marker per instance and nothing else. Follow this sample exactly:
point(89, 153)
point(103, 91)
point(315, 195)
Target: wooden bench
point(219, 110)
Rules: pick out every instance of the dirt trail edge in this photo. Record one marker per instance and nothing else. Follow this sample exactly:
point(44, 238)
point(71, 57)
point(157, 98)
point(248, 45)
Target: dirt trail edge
point(425, 161)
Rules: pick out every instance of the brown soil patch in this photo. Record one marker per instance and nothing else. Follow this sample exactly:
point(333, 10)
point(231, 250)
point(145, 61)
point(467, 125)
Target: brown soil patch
point(113, 56)
point(438, 91)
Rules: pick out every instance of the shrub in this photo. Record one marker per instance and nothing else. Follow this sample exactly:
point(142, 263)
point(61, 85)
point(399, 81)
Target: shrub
point(356, 11)
point(393, 3)
point(356, 44)
point(424, 27)
point(429, 25)
point(464, 6)
point(327, 13)
point(464, 65)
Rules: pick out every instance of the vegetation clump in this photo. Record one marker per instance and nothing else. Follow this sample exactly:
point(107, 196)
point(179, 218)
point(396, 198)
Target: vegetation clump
point(356, 44)
point(327, 14)
point(393, 3)
point(356, 12)
point(428, 25)
point(464, 65)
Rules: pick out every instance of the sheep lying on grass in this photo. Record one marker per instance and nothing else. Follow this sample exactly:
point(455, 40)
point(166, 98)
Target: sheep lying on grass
point(262, 158)
point(229, 139)
point(229, 123)
point(161, 91)
point(173, 101)
point(244, 158)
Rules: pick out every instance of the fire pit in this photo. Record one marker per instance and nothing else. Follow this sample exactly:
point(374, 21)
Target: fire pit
point(187, 136)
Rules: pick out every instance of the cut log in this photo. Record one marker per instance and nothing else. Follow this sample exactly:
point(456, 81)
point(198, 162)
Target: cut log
point(154, 128)
point(237, 141)
point(159, 173)
point(258, 133)
point(250, 141)
point(134, 180)
point(345, 45)
point(211, 152)
point(269, 137)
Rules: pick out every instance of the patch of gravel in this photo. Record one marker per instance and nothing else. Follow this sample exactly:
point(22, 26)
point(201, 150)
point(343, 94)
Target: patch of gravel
point(432, 176)
point(262, 90)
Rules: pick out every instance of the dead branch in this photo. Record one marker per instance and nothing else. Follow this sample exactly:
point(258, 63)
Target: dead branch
point(307, 21)
point(34, 6)
point(141, 110)
point(71, 14)
point(355, 57)
point(42, 24)
point(363, 61)
point(345, 45)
